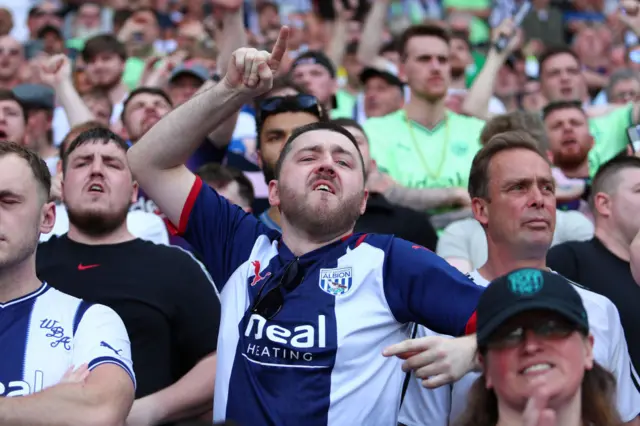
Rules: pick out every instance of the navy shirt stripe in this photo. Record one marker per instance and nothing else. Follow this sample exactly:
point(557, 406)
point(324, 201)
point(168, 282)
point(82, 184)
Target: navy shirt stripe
point(14, 327)
point(82, 308)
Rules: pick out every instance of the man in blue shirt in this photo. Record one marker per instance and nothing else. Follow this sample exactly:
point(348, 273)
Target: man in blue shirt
point(305, 314)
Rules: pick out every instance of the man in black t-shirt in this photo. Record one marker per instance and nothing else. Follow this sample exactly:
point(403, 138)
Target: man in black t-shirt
point(164, 296)
point(602, 264)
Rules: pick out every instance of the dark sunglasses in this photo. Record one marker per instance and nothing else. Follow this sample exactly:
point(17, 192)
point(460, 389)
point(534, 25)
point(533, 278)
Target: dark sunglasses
point(276, 103)
point(270, 305)
point(512, 337)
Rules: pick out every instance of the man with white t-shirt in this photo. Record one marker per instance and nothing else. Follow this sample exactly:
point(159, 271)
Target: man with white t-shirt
point(512, 192)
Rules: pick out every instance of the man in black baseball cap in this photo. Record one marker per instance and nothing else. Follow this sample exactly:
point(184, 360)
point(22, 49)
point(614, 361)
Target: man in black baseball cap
point(315, 72)
point(523, 291)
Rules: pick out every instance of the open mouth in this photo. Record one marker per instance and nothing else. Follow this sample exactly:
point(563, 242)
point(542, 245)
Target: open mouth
point(566, 91)
point(324, 186)
point(536, 368)
point(96, 187)
point(569, 142)
point(3, 134)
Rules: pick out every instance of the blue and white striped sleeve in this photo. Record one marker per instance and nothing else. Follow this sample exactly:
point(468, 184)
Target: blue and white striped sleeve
point(101, 338)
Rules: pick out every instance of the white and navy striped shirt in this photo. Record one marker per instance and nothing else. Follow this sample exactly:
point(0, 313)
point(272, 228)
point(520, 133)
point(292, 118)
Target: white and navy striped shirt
point(45, 332)
point(319, 361)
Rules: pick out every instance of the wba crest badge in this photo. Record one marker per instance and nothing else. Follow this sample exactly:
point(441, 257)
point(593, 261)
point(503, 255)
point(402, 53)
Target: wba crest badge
point(336, 281)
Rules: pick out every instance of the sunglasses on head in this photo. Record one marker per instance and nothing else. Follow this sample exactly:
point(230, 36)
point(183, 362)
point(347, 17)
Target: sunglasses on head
point(301, 101)
point(513, 336)
point(270, 305)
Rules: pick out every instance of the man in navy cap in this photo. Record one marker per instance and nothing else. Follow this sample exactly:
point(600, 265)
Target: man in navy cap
point(315, 72)
point(184, 82)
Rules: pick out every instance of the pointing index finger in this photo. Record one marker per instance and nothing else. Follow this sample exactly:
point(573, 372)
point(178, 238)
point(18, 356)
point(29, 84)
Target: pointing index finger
point(279, 48)
point(412, 345)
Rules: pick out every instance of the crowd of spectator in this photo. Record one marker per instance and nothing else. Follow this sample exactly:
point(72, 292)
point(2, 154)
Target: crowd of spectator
point(494, 157)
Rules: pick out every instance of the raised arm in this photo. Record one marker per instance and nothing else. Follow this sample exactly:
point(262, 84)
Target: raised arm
point(56, 72)
point(157, 160)
point(476, 102)
point(233, 37)
point(371, 39)
point(338, 44)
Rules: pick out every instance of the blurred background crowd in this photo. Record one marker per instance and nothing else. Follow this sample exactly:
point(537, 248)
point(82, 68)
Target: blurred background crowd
point(568, 73)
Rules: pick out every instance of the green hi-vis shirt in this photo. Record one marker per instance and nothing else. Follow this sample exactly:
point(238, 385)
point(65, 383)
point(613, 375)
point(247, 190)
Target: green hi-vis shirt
point(346, 103)
point(610, 135)
point(417, 157)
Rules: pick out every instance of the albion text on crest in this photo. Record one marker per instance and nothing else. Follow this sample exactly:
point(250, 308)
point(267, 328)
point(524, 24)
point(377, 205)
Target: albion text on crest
point(337, 281)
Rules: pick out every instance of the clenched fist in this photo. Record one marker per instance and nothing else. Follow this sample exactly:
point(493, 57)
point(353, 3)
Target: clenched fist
point(55, 70)
point(252, 71)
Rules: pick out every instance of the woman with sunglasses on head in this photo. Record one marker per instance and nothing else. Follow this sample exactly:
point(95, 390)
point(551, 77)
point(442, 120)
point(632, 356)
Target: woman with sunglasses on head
point(537, 354)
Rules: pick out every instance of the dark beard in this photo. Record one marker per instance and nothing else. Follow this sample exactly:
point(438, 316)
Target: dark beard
point(570, 161)
point(456, 73)
point(97, 224)
point(107, 87)
point(268, 172)
point(319, 223)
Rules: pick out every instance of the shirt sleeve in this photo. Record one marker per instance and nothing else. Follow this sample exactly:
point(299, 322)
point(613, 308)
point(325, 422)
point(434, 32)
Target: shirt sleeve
point(221, 232)
point(101, 338)
point(628, 384)
point(197, 319)
point(422, 287)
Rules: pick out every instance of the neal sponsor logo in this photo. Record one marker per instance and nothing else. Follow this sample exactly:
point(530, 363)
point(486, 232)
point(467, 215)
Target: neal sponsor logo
point(276, 343)
point(21, 387)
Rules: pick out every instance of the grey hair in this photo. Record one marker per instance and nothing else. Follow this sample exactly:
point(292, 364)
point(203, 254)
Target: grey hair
point(620, 75)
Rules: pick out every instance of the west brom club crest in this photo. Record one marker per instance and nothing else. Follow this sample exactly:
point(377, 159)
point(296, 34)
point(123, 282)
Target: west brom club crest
point(336, 281)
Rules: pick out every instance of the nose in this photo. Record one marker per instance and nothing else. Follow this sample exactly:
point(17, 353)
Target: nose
point(96, 167)
point(305, 80)
point(537, 198)
point(532, 342)
point(326, 168)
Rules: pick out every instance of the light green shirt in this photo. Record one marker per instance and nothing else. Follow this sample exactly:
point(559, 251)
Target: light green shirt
point(479, 30)
point(417, 157)
point(346, 105)
point(610, 136)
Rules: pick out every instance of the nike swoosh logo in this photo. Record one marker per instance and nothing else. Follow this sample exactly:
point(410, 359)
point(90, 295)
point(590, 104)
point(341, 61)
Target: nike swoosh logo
point(82, 267)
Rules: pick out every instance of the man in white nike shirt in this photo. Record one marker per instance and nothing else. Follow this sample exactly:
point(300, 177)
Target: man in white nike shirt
point(512, 193)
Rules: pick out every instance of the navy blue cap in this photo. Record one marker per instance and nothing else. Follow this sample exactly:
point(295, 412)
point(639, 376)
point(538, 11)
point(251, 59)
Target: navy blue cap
point(196, 70)
point(315, 57)
point(526, 290)
point(35, 96)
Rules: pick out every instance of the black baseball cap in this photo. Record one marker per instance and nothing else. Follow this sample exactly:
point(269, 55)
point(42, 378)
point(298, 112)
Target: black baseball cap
point(526, 290)
point(315, 57)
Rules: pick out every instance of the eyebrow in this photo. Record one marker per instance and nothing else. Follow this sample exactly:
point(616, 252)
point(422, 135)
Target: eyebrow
point(274, 131)
point(335, 149)
point(9, 193)
point(104, 157)
point(511, 182)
